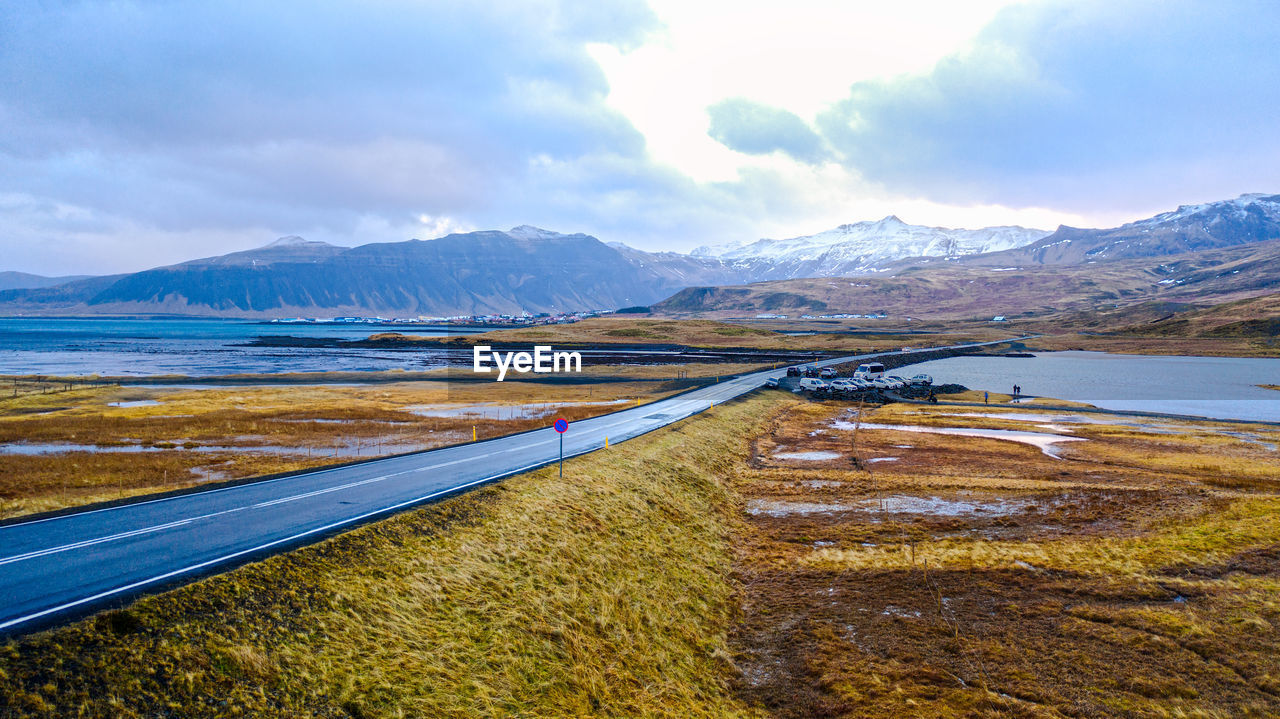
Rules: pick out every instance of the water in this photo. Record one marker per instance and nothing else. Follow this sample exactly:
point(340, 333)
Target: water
point(1219, 387)
point(1042, 440)
point(193, 347)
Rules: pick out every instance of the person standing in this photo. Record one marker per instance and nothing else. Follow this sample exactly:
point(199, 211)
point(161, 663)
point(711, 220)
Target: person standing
point(986, 397)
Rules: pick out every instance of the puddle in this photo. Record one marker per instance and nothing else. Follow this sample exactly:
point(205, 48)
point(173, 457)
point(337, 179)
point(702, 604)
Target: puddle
point(775, 508)
point(210, 473)
point(134, 403)
point(883, 459)
point(1055, 422)
point(939, 507)
point(821, 483)
point(342, 421)
point(810, 456)
point(1250, 438)
point(1044, 441)
point(892, 611)
point(488, 410)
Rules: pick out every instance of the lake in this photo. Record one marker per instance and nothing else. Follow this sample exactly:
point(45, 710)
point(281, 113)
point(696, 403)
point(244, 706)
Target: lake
point(1224, 387)
point(194, 347)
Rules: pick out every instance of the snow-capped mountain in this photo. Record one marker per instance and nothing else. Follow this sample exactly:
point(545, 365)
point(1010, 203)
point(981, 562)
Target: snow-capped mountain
point(863, 247)
point(1212, 225)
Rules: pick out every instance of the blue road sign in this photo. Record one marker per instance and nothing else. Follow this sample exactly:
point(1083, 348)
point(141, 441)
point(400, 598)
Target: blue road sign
point(561, 425)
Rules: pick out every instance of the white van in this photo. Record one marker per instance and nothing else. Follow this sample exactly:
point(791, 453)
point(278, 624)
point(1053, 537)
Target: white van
point(809, 384)
point(869, 371)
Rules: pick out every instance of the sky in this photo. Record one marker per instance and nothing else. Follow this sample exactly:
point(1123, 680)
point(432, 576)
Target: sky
point(135, 134)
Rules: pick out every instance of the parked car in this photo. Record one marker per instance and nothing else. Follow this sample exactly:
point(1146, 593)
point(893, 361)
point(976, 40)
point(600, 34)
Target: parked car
point(771, 382)
point(897, 380)
point(921, 380)
point(811, 384)
point(793, 371)
point(827, 373)
point(843, 384)
point(810, 371)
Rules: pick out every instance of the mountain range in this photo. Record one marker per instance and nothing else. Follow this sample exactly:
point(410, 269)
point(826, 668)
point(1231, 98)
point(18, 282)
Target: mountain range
point(863, 248)
point(536, 270)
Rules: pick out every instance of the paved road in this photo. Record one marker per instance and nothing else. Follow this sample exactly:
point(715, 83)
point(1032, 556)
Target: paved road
point(55, 569)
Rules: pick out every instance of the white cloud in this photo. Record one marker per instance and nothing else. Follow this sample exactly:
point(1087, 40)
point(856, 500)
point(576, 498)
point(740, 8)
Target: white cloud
point(187, 128)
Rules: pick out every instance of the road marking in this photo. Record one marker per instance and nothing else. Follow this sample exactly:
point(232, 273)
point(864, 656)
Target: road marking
point(227, 557)
point(112, 537)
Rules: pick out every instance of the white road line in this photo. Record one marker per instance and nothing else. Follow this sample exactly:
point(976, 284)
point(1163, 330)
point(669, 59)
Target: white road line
point(243, 552)
point(112, 537)
point(316, 472)
point(671, 419)
point(339, 488)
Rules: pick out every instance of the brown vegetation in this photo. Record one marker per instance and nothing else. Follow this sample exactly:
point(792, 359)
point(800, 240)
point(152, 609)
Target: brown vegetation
point(602, 593)
point(193, 436)
point(979, 577)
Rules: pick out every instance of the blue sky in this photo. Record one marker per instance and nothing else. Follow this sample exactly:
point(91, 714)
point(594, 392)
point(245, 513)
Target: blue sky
point(143, 133)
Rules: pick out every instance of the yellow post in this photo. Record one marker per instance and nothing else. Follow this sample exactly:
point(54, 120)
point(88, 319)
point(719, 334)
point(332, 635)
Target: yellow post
point(473, 433)
point(606, 441)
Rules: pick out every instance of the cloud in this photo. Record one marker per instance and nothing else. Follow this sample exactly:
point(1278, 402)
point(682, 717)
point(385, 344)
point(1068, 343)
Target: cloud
point(757, 129)
point(1091, 105)
point(184, 115)
point(139, 132)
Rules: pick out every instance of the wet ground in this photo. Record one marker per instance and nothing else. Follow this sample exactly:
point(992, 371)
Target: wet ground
point(937, 565)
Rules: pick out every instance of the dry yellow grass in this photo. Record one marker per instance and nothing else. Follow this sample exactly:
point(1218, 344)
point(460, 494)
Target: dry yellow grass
point(982, 578)
point(606, 593)
point(233, 433)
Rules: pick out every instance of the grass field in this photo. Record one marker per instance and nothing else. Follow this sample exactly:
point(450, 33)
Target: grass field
point(605, 593)
point(758, 560)
point(163, 439)
point(948, 576)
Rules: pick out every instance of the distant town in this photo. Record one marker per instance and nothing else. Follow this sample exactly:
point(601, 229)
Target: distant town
point(523, 319)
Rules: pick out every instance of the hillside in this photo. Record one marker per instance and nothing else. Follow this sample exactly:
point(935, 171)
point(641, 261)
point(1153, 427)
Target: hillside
point(1256, 317)
point(949, 293)
point(1190, 228)
point(24, 280)
point(525, 269)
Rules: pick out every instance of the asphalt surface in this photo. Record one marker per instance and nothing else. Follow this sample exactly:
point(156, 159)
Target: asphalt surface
point(60, 568)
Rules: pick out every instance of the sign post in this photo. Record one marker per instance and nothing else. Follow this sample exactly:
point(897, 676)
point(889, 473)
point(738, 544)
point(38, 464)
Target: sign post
point(561, 425)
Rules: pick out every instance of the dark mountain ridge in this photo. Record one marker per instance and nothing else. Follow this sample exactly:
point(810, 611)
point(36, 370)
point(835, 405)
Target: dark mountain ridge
point(525, 269)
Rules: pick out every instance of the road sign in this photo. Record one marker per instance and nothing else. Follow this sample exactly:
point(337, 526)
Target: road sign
point(561, 425)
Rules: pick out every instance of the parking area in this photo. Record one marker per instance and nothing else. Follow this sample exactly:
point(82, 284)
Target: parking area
point(870, 382)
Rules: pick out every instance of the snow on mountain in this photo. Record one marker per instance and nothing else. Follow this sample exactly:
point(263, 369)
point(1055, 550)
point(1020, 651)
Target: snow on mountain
point(1239, 208)
point(529, 232)
point(287, 241)
point(1190, 228)
point(864, 247)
